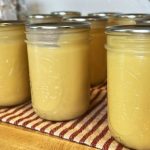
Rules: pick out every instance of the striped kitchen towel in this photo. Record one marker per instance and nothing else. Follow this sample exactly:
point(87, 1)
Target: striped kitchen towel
point(90, 129)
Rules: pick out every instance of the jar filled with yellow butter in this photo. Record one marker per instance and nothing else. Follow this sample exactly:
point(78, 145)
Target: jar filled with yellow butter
point(128, 55)
point(58, 56)
point(43, 18)
point(66, 14)
point(14, 78)
point(126, 19)
point(97, 51)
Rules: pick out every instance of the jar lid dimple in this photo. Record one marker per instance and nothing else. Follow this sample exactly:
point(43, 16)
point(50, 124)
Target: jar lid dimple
point(132, 29)
point(59, 25)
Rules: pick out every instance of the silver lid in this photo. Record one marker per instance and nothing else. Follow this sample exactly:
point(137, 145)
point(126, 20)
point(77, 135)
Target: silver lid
point(63, 13)
point(85, 18)
point(143, 21)
point(5, 23)
point(132, 15)
point(104, 14)
point(128, 29)
point(41, 16)
point(59, 25)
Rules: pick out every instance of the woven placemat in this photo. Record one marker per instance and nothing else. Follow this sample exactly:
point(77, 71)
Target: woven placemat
point(91, 129)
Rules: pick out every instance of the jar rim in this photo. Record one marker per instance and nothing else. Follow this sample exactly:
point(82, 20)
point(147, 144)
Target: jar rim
point(6, 23)
point(59, 25)
point(86, 18)
point(104, 14)
point(41, 16)
point(131, 29)
point(62, 13)
point(143, 21)
point(132, 15)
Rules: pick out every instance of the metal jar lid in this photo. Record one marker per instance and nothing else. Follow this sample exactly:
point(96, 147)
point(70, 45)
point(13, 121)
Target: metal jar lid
point(59, 25)
point(132, 15)
point(42, 16)
point(104, 14)
point(131, 29)
point(85, 18)
point(10, 23)
point(66, 13)
point(144, 21)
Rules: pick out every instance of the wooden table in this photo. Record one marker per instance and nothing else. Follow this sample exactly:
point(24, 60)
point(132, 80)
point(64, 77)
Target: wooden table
point(18, 138)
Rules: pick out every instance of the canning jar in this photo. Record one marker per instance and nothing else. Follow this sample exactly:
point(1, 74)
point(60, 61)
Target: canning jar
point(14, 80)
point(66, 14)
point(126, 19)
point(97, 50)
point(43, 18)
point(128, 55)
point(59, 69)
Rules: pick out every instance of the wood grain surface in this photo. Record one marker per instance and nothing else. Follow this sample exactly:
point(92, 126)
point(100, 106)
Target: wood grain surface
point(18, 138)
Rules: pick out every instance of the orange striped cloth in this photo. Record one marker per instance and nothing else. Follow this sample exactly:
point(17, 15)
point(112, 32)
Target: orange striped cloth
point(90, 129)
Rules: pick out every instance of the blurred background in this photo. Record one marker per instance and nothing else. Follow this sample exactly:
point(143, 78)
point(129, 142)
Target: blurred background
point(85, 6)
point(12, 9)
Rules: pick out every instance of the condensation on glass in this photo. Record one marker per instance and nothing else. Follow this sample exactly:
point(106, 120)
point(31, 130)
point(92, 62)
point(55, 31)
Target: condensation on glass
point(128, 62)
point(59, 69)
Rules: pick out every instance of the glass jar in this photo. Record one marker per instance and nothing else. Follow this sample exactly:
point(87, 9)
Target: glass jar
point(126, 19)
point(97, 51)
point(128, 58)
point(43, 18)
point(66, 14)
point(14, 80)
point(59, 71)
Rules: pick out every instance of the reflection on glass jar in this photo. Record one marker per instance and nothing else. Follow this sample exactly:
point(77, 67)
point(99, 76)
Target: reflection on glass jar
point(128, 55)
point(97, 50)
point(43, 18)
point(59, 71)
point(66, 14)
point(126, 19)
point(104, 14)
point(14, 80)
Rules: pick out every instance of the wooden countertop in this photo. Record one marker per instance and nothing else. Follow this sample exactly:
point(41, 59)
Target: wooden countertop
point(18, 138)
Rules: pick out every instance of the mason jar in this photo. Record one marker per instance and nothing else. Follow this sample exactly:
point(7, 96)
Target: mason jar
point(43, 18)
point(126, 19)
point(128, 55)
point(14, 78)
point(66, 14)
point(58, 56)
point(97, 51)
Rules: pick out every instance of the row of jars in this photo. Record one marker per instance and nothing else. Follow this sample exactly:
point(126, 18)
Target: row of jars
point(66, 58)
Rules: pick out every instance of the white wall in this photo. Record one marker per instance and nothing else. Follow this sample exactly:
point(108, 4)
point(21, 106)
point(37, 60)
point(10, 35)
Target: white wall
point(85, 6)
